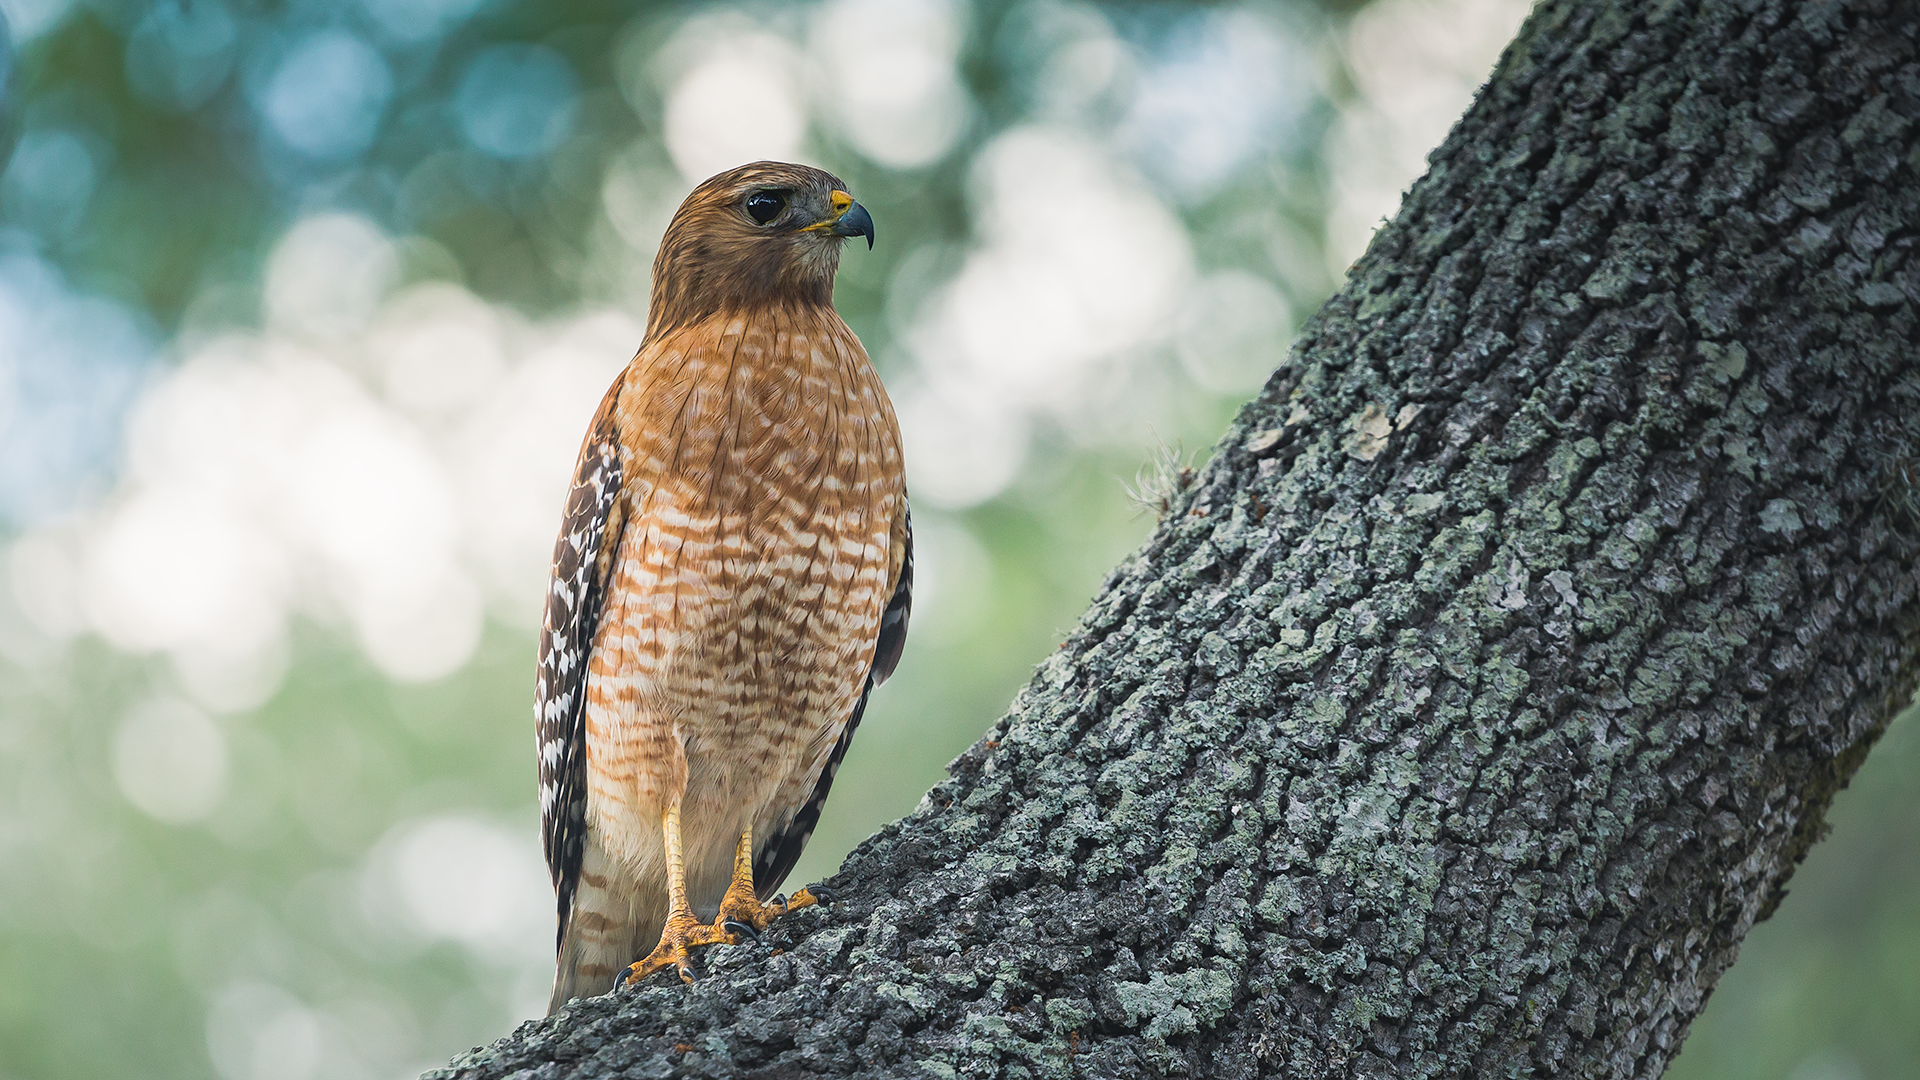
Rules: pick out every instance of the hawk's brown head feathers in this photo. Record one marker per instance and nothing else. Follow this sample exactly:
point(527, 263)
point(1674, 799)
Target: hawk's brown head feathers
point(765, 233)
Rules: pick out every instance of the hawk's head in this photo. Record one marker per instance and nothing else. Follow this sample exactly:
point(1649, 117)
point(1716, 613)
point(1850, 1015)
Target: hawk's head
point(763, 233)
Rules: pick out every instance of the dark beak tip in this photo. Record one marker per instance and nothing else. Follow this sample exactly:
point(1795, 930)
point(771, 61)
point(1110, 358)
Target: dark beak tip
point(856, 222)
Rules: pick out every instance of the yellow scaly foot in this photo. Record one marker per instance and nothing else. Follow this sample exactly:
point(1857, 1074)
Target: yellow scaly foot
point(742, 912)
point(682, 933)
point(683, 930)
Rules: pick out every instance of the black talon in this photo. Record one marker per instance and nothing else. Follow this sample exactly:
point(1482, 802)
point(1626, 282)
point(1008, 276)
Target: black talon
point(735, 926)
point(822, 893)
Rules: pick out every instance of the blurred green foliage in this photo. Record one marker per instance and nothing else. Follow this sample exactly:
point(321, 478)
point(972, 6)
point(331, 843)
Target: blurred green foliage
point(261, 937)
point(1829, 987)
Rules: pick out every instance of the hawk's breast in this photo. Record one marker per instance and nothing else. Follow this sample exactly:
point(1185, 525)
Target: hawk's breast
point(764, 479)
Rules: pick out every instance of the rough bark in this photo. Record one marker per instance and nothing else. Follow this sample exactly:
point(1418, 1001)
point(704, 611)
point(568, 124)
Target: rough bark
point(1485, 687)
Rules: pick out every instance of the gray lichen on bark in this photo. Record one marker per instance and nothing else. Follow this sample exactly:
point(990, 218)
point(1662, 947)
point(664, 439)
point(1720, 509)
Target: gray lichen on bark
point(1488, 682)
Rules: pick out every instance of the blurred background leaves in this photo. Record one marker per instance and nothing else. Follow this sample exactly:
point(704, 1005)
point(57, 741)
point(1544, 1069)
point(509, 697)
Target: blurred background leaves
point(303, 309)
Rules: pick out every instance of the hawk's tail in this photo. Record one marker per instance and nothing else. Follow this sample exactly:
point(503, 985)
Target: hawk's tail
point(615, 920)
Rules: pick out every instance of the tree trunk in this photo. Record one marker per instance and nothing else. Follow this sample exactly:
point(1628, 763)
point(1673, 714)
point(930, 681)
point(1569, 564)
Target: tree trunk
point(1485, 687)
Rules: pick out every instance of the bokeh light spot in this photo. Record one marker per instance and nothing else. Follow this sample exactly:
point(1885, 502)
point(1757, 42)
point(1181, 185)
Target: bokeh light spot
point(1416, 64)
point(964, 446)
point(896, 96)
point(1223, 87)
point(327, 275)
point(181, 53)
point(738, 105)
point(1234, 331)
point(1079, 265)
point(28, 19)
point(516, 101)
point(70, 366)
point(327, 96)
point(175, 567)
point(170, 760)
point(49, 181)
point(258, 1031)
point(460, 878)
point(417, 20)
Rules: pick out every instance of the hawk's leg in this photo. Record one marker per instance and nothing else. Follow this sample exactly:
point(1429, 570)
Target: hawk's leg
point(740, 906)
point(684, 930)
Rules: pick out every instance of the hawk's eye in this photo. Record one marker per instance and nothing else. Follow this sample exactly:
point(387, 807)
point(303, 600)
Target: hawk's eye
point(764, 206)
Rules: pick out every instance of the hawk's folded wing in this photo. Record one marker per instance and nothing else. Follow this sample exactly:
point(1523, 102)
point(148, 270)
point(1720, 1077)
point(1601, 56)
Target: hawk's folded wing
point(575, 594)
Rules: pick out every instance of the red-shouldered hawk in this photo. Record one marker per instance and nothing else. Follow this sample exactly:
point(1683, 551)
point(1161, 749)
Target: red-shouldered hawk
point(732, 579)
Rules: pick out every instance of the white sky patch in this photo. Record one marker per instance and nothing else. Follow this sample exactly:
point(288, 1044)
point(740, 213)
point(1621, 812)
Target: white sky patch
point(1417, 64)
point(425, 629)
point(890, 85)
point(373, 502)
point(377, 508)
point(170, 761)
point(43, 580)
point(189, 558)
point(176, 566)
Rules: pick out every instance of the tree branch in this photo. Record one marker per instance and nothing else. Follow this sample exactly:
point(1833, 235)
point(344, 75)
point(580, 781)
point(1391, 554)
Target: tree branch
point(1485, 687)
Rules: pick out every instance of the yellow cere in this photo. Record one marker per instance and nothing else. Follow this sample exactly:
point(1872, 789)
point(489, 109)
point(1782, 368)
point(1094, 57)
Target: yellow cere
point(841, 200)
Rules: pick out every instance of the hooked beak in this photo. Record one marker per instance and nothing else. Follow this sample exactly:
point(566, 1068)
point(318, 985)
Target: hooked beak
point(855, 222)
point(851, 219)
